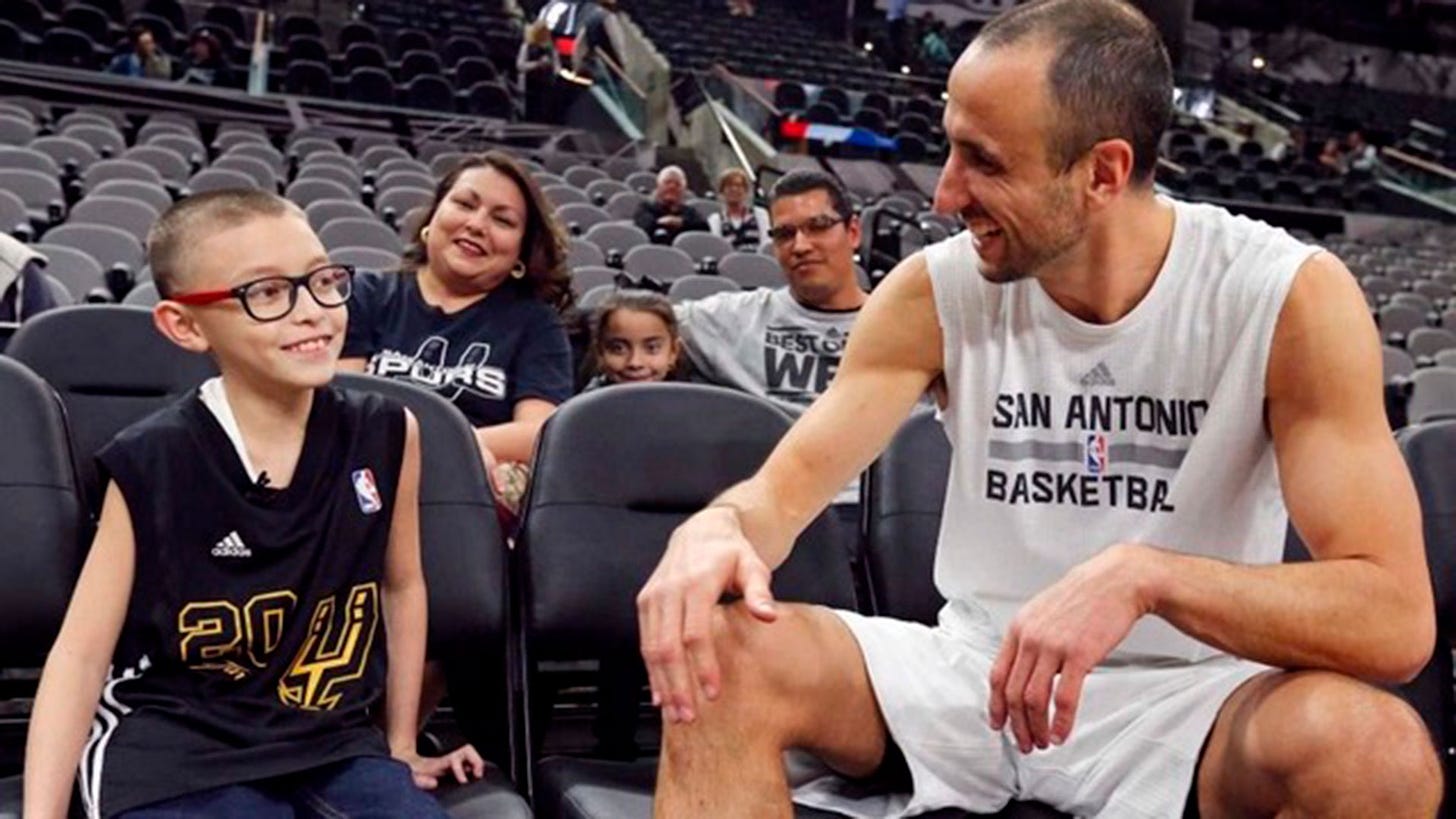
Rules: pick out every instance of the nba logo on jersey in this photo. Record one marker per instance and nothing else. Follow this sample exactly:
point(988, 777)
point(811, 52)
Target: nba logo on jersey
point(366, 491)
point(1094, 456)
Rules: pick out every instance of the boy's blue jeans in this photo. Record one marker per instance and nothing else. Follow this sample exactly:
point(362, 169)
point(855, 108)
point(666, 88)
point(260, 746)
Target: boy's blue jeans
point(360, 788)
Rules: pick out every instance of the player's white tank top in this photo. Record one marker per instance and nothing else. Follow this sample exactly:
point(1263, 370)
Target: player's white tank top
point(1070, 437)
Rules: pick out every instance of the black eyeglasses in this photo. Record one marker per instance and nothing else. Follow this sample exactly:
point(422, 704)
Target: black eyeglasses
point(273, 297)
point(813, 227)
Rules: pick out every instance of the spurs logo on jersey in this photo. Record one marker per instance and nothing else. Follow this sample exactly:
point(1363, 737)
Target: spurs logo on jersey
point(430, 366)
point(238, 641)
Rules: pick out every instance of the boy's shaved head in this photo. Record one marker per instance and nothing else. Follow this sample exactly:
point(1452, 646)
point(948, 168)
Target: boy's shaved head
point(188, 222)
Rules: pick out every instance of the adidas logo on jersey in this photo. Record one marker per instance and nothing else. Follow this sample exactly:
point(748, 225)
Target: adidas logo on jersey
point(231, 546)
point(1099, 376)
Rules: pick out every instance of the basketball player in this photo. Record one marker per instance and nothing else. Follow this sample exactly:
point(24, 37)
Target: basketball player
point(256, 568)
point(1137, 390)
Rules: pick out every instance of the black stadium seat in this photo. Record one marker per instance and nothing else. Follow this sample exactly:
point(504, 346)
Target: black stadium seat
point(598, 515)
point(111, 368)
point(370, 85)
point(69, 48)
point(308, 78)
point(428, 91)
point(902, 497)
point(42, 515)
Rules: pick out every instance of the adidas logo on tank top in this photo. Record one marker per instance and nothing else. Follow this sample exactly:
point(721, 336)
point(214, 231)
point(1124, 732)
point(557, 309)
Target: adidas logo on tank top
point(231, 546)
point(1099, 376)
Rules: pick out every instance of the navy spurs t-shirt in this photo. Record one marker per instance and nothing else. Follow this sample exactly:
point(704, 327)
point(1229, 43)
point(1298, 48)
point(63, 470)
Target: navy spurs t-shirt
point(500, 350)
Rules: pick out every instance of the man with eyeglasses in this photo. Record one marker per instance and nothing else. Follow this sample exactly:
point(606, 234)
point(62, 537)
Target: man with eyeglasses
point(784, 343)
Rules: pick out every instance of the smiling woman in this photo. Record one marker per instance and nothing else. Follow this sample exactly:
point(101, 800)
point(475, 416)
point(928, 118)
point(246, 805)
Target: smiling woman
point(475, 312)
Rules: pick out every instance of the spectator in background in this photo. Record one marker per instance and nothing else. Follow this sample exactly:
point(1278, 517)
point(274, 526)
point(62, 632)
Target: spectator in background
point(665, 216)
point(740, 221)
point(1359, 154)
point(934, 49)
point(1331, 157)
point(635, 340)
point(537, 64)
point(594, 38)
point(205, 63)
point(897, 33)
point(24, 291)
point(741, 8)
point(784, 344)
point(475, 313)
point(144, 59)
point(1292, 149)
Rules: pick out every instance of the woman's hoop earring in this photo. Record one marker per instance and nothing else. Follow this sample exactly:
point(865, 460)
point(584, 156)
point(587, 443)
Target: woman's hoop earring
point(518, 271)
point(425, 233)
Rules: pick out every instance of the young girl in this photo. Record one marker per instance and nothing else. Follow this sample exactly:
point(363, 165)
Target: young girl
point(635, 339)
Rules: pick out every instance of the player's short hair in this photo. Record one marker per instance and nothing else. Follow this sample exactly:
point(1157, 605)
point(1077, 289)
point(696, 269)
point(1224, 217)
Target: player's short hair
point(187, 223)
point(1110, 78)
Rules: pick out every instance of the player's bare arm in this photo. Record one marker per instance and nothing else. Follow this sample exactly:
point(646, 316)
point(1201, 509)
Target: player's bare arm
point(892, 357)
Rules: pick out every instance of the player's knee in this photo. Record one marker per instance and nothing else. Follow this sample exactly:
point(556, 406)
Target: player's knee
point(752, 653)
point(1359, 741)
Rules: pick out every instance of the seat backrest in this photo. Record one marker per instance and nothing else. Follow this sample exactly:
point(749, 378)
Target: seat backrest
point(1427, 341)
point(602, 505)
point(143, 295)
point(403, 200)
point(1429, 452)
point(333, 172)
point(401, 177)
point(581, 253)
point(701, 245)
point(582, 215)
point(304, 192)
point(583, 175)
point(75, 269)
point(65, 150)
point(263, 173)
point(36, 189)
point(366, 258)
point(1433, 395)
point(103, 138)
point(131, 216)
point(322, 211)
point(624, 204)
point(664, 264)
point(693, 287)
point(613, 236)
point(16, 131)
point(586, 278)
point(106, 244)
point(28, 159)
point(172, 165)
point(153, 195)
point(216, 179)
point(565, 195)
point(109, 169)
point(902, 496)
point(41, 515)
point(751, 270)
point(111, 368)
point(1399, 318)
point(1396, 363)
point(13, 215)
point(354, 232)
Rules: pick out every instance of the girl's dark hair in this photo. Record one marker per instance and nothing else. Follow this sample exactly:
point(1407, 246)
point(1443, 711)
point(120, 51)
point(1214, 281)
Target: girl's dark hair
point(543, 246)
point(643, 301)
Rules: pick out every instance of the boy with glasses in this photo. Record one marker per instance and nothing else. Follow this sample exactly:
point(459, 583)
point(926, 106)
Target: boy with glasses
point(254, 586)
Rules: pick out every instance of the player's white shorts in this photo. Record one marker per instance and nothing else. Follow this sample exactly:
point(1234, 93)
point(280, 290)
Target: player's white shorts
point(1133, 752)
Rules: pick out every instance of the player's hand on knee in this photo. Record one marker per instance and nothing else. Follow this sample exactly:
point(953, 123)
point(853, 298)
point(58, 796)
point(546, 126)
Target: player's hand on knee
point(463, 764)
point(707, 557)
point(1058, 638)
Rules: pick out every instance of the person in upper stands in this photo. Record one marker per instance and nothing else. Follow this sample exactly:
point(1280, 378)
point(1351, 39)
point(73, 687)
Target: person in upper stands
point(475, 313)
point(1292, 149)
point(1332, 157)
point(144, 59)
point(594, 39)
point(741, 8)
point(740, 221)
point(635, 340)
point(665, 215)
point(206, 64)
point(537, 64)
point(1359, 154)
point(934, 49)
point(24, 291)
point(784, 344)
point(247, 634)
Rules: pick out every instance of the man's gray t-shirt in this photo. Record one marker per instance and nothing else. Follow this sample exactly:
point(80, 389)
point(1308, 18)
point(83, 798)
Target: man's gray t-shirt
point(765, 343)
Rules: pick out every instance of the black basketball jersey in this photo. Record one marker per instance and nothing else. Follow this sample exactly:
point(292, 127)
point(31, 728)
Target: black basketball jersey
point(253, 644)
